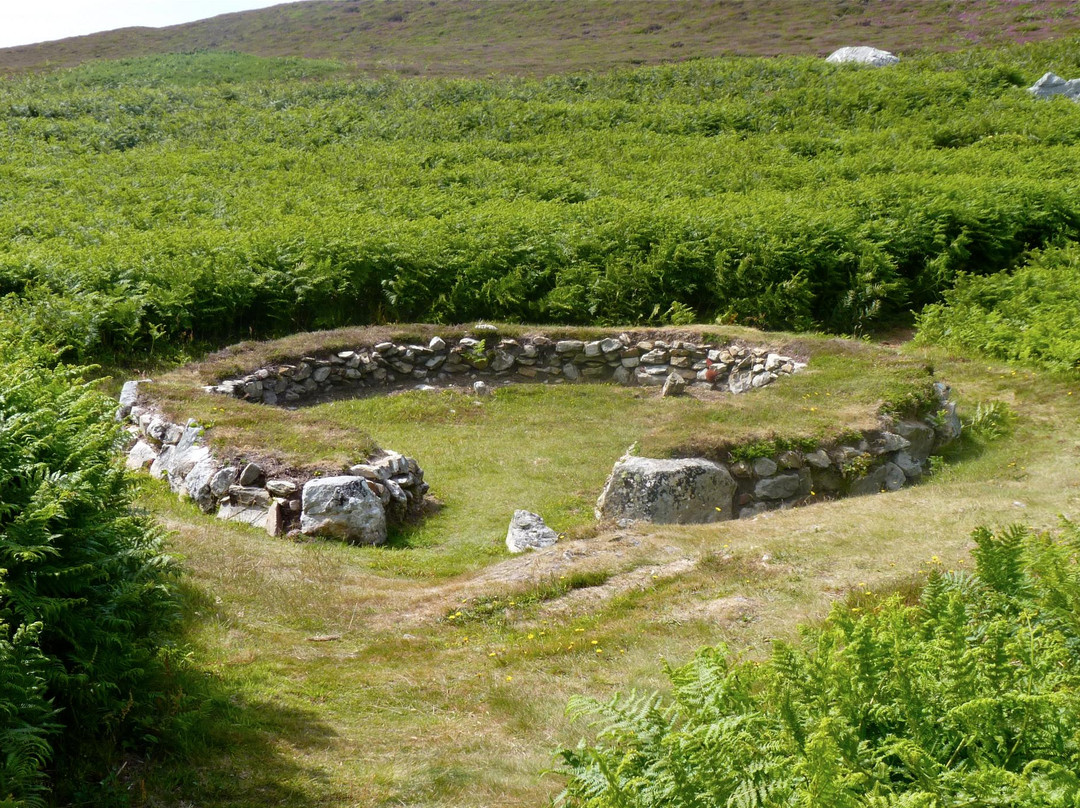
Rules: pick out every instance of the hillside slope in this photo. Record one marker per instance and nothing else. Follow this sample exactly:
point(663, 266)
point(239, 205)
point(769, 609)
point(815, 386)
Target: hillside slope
point(480, 37)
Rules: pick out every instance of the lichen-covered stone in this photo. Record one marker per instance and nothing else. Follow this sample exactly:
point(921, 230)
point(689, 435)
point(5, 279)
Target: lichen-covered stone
point(667, 491)
point(528, 531)
point(343, 508)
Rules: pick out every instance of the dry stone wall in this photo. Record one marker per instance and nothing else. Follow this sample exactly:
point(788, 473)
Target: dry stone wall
point(357, 507)
point(486, 356)
point(696, 490)
point(390, 489)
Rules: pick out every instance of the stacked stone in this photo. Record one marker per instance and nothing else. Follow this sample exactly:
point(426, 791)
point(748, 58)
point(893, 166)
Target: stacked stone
point(388, 489)
point(484, 355)
point(882, 460)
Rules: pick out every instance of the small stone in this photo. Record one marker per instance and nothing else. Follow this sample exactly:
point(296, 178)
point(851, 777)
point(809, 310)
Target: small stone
point(502, 361)
point(481, 388)
point(221, 482)
point(888, 442)
point(819, 459)
point(251, 475)
point(790, 460)
point(566, 346)
point(528, 531)
point(674, 385)
point(762, 379)
point(281, 488)
point(141, 456)
point(592, 348)
point(249, 495)
point(571, 372)
point(895, 478)
point(437, 344)
point(741, 469)
point(764, 467)
point(610, 346)
point(906, 463)
point(781, 486)
point(247, 514)
point(740, 382)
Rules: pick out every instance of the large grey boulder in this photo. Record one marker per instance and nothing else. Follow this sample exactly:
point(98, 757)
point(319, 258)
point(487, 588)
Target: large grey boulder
point(862, 55)
point(527, 531)
point(1051, 85)
point(343, 508)
point(688, 491)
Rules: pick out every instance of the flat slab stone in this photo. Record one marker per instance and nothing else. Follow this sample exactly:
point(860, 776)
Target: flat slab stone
point(253, 515)
point(691, 491)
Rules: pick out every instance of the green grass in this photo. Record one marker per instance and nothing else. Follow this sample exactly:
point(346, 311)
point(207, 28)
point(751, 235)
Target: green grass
point(411, 707)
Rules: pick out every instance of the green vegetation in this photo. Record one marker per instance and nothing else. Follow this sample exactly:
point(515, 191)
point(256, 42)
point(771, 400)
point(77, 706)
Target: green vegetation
point(1031, 314)
point(970, 696)
point(778, 193)
point(86, 597)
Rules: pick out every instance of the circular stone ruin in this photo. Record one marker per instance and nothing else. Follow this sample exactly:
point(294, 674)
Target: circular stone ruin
point(390, 489)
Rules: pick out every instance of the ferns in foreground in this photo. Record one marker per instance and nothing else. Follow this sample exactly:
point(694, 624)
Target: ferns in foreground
point(85, 592)
point(969, 698)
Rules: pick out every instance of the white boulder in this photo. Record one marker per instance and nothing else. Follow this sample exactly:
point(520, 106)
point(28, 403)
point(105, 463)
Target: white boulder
point(862, 55)
point(1051, 84)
